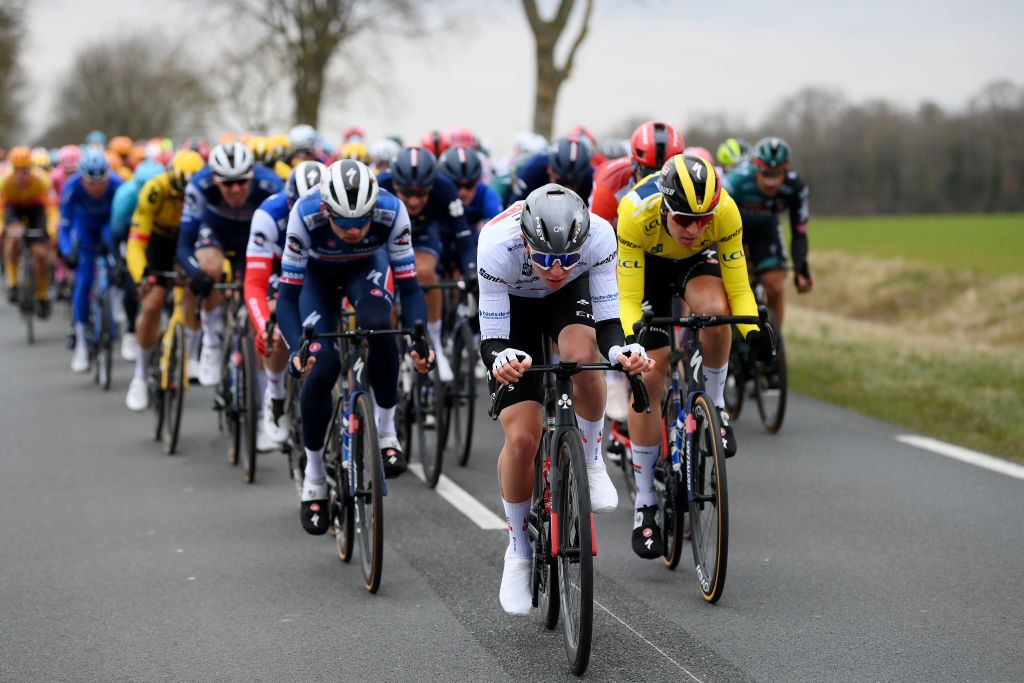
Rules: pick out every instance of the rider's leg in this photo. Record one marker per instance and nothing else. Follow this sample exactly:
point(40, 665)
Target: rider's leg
point(12, 248)
point(578, 343)
point(84, 275)
point(319, 298)
point(774, 282)
point(147, 326)
point(41, 256)
point(521, 423)
point(211, 262)
point(706, 296)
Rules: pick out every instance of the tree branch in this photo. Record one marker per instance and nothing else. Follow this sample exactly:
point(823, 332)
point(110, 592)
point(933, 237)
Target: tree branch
point(564, 72)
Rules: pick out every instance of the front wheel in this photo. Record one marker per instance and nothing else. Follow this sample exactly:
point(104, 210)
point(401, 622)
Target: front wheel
point(462, 399)
point(736, 379)
point(245, 391)
point(369, 496)
point(174, 393)
point(709, 502)
point(575, 526)
point(431, 423)
point(771, 388)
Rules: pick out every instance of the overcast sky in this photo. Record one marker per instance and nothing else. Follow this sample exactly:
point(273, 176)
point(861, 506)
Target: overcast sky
point(673, 60)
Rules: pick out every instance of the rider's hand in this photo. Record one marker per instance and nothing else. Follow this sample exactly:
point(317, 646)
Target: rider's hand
point(508, 368)
point(761, 343)
point(71, 260)
point(632, 357)
point(201, 284)
point(803, 279)
point(423, 365)
point(295, 368)
point(472, 285)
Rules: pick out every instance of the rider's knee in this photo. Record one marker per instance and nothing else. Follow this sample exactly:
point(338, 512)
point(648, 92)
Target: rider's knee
point(522, 444)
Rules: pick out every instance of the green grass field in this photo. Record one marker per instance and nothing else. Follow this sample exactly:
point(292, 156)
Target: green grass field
point(989, 243)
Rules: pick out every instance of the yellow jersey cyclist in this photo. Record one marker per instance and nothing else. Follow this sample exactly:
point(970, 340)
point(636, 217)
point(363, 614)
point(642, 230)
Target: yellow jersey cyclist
point(26, 194)
point(680, 227)
point(152, 245)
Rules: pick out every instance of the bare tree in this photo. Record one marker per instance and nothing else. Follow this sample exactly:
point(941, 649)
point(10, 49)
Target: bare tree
point(138, 87)
point(550, 77)
point(12, 15)
point(306, 36)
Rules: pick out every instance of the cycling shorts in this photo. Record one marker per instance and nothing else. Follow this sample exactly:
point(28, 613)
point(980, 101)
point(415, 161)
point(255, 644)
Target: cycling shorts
point(34, 218)
point(663, 278)
point(767, 248)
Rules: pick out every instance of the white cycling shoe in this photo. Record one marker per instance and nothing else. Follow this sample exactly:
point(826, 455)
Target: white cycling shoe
point(603, 496)
point(137, 399)
point(444, 368)
point(209, 366)
point(80, 361)
point(129, 347)
point(516, 595)
point(275, 431)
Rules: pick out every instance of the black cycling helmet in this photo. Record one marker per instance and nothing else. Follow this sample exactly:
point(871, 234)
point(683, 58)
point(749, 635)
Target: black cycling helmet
point(555, 220)
point(414, 169)
point(570, 159)
point(462, 165)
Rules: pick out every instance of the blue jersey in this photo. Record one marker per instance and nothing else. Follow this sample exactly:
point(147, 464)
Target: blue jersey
point(534, 174)
point(486, 205)
point(444, 209)
point(84, 219)
point(310, 238)
point(208, 221)
point(127, 198)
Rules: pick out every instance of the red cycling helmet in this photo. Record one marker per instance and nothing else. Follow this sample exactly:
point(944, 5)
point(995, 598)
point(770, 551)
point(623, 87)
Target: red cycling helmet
point(460, 136)
point(653, 143)
point(436, 141)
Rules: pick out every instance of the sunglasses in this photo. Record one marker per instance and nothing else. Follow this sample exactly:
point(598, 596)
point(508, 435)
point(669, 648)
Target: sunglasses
point(417, 192)
point(98, 178)
point(547, 261)
point(687, 219)
point(771, 172)
point(344, 223)
point(466, 185)
point(234, 181)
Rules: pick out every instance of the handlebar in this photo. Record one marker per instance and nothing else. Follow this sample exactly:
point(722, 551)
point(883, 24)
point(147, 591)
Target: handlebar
point(445, 284)
point(417, 333)
point(695, 322)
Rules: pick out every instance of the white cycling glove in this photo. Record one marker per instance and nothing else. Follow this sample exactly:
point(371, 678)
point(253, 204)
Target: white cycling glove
point(632, 349)
point(507, 356)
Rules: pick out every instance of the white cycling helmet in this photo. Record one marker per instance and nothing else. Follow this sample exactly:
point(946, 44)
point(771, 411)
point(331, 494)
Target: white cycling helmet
point(233, 161)
point(303, 137)
point(384, 151)
point(349, 189)
point(303, 178)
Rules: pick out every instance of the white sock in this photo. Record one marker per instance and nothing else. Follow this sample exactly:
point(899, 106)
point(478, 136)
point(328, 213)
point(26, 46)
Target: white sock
point(79, 335)
point(385, 421)
point(644, 458)
point(142, 363)
point(517, 517)
point(275, 383)
point(714, 382)
point(315, 472)
point(593, 431)
point(434, 330)
point(211, 321)
point(192, 342)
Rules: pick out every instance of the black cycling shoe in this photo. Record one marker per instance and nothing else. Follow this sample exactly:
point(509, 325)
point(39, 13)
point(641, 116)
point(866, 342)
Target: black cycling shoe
point(315, 518)
point(43, 308)
point(728, 437)
point(394, 460)
point(646, 533)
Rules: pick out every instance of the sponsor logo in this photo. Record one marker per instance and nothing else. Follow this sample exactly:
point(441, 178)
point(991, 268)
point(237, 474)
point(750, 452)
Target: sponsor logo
point(652, 225)
point(527, 268)
point(584, 314)
point(658, 248)
point(629, 264)
point(259, 239)
point(564, 402)
point(376, 292)
point(626, 243)
point(734, 256)
point(455, 208)
point(493, 278)
point(403, 237)
point(295, 244)
point(314, 347)
point(331, 244)
point(583, 302)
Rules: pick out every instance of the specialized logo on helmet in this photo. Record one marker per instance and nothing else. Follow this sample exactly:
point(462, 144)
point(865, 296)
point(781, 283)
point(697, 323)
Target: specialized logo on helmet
point(698, 169)
point(350, 175)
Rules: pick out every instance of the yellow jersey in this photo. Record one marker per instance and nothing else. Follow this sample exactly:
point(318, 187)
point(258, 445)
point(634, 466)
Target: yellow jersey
point(641, 231)
point(282, 170)
point(36, 191)
point(157, 218)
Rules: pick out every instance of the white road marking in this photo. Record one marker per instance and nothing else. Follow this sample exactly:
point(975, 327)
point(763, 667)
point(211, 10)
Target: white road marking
point(964, 455)
point(637, 634)
point(462, 501)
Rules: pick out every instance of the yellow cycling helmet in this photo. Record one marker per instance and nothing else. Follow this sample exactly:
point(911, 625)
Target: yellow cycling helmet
point(41, 158)
point(262, 150)
point(279, 146)
point(689, 185)
point(355, 150)
point(121, 145)
point(184, 165)
point(20, 157)
point(732, 152)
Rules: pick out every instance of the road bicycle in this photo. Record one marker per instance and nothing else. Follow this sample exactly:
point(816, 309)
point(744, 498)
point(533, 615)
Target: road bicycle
point(103, 324)
point(168, 368)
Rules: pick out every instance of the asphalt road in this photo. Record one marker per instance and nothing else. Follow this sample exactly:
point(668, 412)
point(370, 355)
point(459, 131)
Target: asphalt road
point(852, 557)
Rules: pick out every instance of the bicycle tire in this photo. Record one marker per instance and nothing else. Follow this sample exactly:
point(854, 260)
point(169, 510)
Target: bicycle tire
point(709, 508)
point(771, 407)
point(430, 400)
point(247, 402)
point(156, 399)
point(26, 291)
point(342, 508)
point(174, 394)
point(575, 522)
point(227, 387)
point(369, 471)
point(463, 397)
point(105, 362)
point(736, 379)
point(545, 569)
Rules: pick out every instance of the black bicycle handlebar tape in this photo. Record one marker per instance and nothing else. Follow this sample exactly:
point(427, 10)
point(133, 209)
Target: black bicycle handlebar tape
point(641, 401)
point(307, 338)
point(496, 401)
point(419, 341)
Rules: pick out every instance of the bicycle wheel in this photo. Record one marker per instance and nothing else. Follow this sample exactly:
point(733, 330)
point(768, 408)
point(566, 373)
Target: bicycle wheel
point(246, 397)
point(26, 292)
point(709, 508)
point(771, 388)
point(736, 379)
point(227, 390)
point(575, 552)
point(431, 424)
point(105, 346)
point(369, 481)
point(174, 392)
point(462, 398)
point(156, 400)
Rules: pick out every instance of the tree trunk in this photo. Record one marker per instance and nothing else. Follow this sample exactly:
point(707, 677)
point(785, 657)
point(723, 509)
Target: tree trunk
point(548, 83)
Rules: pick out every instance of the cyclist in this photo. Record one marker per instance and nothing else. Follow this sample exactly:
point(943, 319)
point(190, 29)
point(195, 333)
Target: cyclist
point(152, 246)
point(119, 152)
point(85, 206)
point(762, 190)
point(347, 233)
point(264, 151)
point(354, 150)
point(566, 163)
point(262, 261)
point(304, 142)
point(679, 226)
point(547, 266)
point(220, 201)
point(436, 142)
point(438, 218)
point(651, 144)
point(382, 153)
point(67, 166)
point(480, 203)
point(125, 200)
point(732, 153)
point(26, 193)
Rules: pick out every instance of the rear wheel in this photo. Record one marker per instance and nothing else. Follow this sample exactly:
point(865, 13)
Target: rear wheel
point(463, 394)
point(369, 483)
point(575, 552)
point(246, 399)
point(736, 379)
point(26, 291)
point(230, 413)
point(772, 388)
point(105, 353)
point(430, 423)
point(174, 393)
point(709, 507)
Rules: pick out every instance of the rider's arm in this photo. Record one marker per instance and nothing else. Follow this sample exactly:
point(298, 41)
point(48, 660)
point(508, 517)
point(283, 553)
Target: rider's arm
point(604, 288)
point(403, 265)
point(191, 219)
point(494, 317)
point(630, 269)
point(125, 201)
point(259, 264)
point(799, 215)
point(728, 228)
point(142, 227)
point(65, 234)
point(293, 275)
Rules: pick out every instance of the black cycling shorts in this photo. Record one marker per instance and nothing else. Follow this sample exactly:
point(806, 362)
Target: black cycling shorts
point(663, 278)
point(34, 218)
point(767, 248)
point(532, 322)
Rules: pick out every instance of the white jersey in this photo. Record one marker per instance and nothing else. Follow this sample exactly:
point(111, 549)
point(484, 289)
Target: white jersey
point(504, 270)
